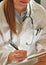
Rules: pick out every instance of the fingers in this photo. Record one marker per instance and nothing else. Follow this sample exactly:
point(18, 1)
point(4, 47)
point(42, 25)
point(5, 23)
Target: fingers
point(17, 55)
point(20, 55)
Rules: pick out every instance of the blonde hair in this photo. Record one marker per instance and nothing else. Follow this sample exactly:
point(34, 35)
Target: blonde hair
point(10, 14)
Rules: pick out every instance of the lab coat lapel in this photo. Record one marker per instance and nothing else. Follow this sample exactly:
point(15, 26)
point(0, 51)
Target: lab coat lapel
point(3, 24)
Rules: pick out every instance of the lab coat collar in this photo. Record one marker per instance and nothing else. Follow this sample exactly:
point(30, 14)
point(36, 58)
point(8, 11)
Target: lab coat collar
point(31, 4)
point(3, 18)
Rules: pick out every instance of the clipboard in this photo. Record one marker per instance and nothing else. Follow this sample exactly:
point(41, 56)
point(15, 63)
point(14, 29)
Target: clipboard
point(30, 60)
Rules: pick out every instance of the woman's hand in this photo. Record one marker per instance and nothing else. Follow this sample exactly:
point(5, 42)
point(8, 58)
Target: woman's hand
point(44, 57)
point(17, 55)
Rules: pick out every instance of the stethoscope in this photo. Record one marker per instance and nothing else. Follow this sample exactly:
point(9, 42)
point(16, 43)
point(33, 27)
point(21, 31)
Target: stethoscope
point(31, 20)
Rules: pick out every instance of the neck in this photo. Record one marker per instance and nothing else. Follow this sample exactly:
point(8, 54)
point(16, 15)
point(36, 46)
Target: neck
point(20, 10)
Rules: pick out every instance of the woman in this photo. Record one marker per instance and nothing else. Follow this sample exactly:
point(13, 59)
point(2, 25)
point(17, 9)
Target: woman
point(18, 27)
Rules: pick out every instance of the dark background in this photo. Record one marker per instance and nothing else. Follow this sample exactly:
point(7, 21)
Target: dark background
point(35, 0)
point(0, 0)
point(38, 1)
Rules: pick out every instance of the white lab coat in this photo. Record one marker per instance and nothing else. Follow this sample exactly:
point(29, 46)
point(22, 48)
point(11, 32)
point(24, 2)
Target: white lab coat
point(38, 14)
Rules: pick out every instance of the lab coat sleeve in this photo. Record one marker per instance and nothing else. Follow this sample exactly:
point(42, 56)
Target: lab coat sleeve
point(5, 49)
point(41, 19)
point(3, 53)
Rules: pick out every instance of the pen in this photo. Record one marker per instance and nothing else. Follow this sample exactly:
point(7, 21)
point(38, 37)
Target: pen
point(13, 45)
